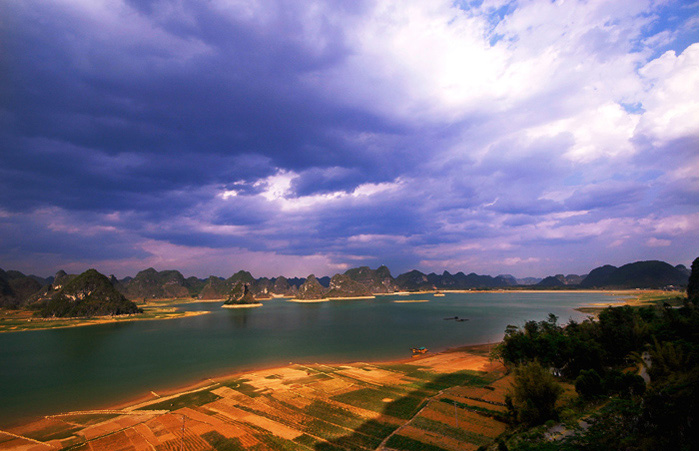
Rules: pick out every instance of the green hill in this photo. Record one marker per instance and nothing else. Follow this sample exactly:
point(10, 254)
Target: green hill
point(642, 274)
point(151, 284)
point(377, 281)
point(16, 288)
point(240, 294)
point(89, 294)
point(311, 289)
point(341, 285)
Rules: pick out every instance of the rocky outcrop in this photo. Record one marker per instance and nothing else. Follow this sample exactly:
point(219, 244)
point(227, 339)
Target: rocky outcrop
point(282, 287)
point(151, 284)
point(376, 281)
point(16, 288)
point(414, 280)
point(507, 279)
point(215, 288)
point(240, 294)
point(89, 294)
point(262, 288)
point(311, 289)
point(60, 279)
point(342, 286)
point(550, 282)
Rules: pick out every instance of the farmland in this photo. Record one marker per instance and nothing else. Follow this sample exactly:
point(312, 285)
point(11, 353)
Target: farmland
point(448, 401)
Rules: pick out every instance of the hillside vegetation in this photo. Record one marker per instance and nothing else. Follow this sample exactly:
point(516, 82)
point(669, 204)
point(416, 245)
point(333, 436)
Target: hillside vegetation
point(636, 371)
point(89, 294)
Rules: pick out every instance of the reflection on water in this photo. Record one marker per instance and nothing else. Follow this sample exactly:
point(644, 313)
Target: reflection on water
point(239, 317)
point(68, 369)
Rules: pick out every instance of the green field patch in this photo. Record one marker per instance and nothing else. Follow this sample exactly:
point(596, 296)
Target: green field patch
point(309, 380)
point(366, 398)
point(56, 431)
point(404, 368)
point(449, 431)
point(358, 442)
point(326, 446)
point(403, 443)
point(221, 443)
point(239, 384)
point(404, 408)
point(333, 414)
point(280, 444)
point(466, 377)
point(377, 429)
point(494, 414)
point(196, 399)
point(89, 419)
point(323, 429)
point(306, 440)
point(271, 416)
point(372, 399)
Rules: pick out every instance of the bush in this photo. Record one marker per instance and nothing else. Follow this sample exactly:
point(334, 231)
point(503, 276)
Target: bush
point(589, 384)
point(534, 394)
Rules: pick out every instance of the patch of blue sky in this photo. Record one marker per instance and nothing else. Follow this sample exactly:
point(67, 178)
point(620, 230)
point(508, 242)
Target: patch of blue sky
point(674, 26)
point(495, 15)
point(633, 108)
point(467, 5)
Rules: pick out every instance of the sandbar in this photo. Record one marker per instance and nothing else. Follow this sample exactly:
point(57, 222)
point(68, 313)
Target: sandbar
point(411, 301)
point(349, 298)
point(20, 322)
point(308, 301)
point(258, 304)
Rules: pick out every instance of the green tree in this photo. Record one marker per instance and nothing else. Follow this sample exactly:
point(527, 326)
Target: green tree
point(589, 384)
point(693, 284)
point(534, 394)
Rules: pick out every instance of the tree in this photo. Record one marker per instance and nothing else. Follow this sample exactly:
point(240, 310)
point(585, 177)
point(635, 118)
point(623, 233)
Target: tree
point(589, 384)
point(534, 394)
point(693, 284)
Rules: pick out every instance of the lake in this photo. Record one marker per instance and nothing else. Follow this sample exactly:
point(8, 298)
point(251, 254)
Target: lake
point(51, 371)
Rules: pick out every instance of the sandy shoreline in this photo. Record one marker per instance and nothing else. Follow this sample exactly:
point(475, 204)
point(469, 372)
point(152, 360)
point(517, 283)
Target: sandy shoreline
point(258, 304)
point(96, 321)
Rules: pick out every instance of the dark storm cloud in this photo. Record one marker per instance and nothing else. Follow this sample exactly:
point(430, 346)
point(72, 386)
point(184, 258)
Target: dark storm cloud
point(78, 97)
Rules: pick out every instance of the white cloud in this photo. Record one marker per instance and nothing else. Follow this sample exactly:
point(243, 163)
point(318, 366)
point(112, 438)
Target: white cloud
point(655, 242)
point(672, 97)
point(601, 132)
point(277, 188)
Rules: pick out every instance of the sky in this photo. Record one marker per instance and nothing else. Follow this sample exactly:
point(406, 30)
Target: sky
point(286, 137)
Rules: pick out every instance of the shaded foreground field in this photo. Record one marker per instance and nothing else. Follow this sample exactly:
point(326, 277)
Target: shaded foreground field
point(448, 401)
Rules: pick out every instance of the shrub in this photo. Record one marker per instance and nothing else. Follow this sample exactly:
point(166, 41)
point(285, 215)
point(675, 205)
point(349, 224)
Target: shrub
point(534, 394)
point(589, 384)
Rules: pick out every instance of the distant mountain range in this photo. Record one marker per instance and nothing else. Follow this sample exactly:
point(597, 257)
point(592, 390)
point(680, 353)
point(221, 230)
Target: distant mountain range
point(18, 290)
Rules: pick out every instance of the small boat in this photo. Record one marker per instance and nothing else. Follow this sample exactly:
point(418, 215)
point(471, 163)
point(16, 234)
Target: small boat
point(420, 350)
point(461, 319)
point(452, 317)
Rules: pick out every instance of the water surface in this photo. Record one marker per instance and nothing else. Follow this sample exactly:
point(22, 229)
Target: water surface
point(51, 371)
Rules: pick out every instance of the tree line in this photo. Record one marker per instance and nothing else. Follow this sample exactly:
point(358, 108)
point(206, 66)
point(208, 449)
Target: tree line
point(605, 359)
